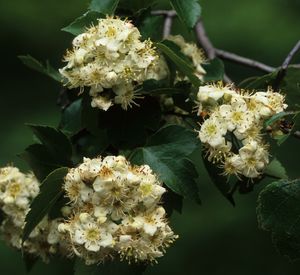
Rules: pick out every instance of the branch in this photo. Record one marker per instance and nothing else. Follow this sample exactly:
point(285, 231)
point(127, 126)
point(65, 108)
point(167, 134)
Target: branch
point(244, 61)
point(169, 15)
point(204, 40)
point(207, 45)
point(282, 71)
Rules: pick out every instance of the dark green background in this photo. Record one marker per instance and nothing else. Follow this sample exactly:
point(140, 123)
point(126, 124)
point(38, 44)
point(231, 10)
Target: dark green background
point(215, 238)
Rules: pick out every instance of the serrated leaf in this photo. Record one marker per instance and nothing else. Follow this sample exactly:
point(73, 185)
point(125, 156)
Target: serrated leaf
point(214, 70)
point(104, 6)
point(56, 142)
point(34, 64)
point(276, 170)
point(278, 211)
point(166, 153)
point(50, 191)
point(188, 11)
point(80, 24)
point(71, 118)
point(172, 51)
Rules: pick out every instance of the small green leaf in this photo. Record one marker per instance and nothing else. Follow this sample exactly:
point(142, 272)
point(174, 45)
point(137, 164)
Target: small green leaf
point(136, 6)
point(80, 24)
point(34, 64)
point(155, 87)
point(71, 118)
point(166, 152)
point(172, 51)
point(188, 11)
point(104, 6)
point(276, 170)
point(56, 142)
point(261, 82)
point(279, 116)
point(214, 70)
point(50, 191)
point(278, 211)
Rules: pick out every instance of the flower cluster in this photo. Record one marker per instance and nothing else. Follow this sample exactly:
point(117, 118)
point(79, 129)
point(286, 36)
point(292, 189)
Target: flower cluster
point(190, 50)
point(112, 61)
point(232, 133)
point(115, 211)
point(17, 190)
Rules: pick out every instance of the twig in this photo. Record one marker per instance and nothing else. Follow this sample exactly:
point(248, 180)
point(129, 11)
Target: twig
point(204, 40)
point(244, 61)
point(207, 45)
point(168, 20)
point(282, 71)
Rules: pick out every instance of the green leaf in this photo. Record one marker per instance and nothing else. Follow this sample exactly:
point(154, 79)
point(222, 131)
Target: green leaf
point(261, 82)
point(172, 51)
point(188, 11)
point(136, 6)
point(278, 211)
point(222, 183)
point(158, 87)
point(151, 27)
point(34, 64)
point(214, 70)
point(276, 170)
point(279, 116)
point(56, 142)
point(80, 24)
point(50, 191)
point(166, 153)
point(291, 86)
point(40, 160)
point(71, 118)
point(104, 6)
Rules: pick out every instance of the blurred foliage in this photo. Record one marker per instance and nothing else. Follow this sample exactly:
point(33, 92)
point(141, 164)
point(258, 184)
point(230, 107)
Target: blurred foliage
point(215, 237)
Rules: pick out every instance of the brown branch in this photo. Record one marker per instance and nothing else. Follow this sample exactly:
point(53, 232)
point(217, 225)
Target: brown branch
point(282, 70)
point(244, 61)
point(207, 45)
point(169, 15)
point(204, 40)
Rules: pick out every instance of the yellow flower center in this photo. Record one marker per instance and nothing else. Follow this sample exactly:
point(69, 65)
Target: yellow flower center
point(111, 32)
point(14, 189)
point(92, 234)
point(146, 189)
point(237, 116)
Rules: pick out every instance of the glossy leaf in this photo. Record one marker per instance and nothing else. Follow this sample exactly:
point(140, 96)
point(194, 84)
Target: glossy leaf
point(57, 143)
point(34, 64)
point(166, 153)
point(214, 70)
point(79, 25)
point(172, 51)
point(50, 191)
point(278, 211)
point(188, 11)
point(104, 6)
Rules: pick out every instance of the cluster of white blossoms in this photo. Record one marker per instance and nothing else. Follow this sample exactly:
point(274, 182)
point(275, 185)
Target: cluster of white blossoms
point(17, 190)
point(114, 210)
point(194, 53)
point(232, 133)
point(111, 60)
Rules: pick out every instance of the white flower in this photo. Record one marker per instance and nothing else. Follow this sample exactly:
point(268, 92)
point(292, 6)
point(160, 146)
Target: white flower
point(213, 130)
point(111, 56)
point(237, 115)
